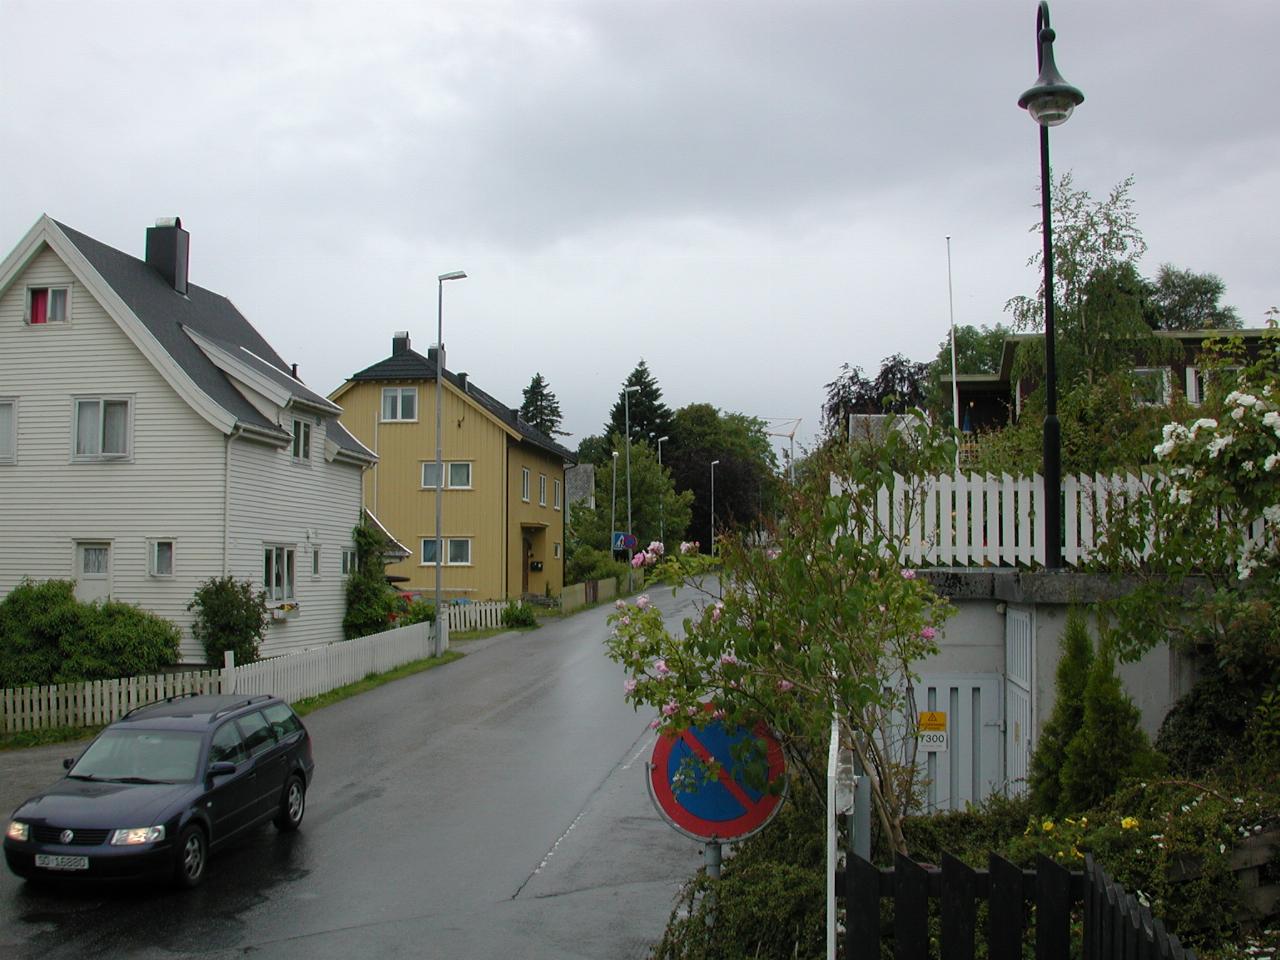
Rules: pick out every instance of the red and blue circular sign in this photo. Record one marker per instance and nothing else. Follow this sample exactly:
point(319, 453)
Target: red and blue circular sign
point(722, 810)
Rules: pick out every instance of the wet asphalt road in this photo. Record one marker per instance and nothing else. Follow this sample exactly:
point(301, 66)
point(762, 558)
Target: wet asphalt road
point(493, 807)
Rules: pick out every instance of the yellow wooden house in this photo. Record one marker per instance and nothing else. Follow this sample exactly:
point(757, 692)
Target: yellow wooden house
point(504, 500)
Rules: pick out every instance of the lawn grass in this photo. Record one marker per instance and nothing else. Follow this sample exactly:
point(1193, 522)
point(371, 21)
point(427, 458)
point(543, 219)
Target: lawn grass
point(372, 682)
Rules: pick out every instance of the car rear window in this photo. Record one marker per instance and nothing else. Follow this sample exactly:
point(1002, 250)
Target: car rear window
point(256, 731)
point(283, 720)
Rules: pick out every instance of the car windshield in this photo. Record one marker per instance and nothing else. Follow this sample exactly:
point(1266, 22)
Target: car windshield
point(140, 756)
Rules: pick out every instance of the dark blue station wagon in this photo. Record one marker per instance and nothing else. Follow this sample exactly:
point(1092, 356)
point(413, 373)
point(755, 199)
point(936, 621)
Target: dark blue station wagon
point(161, 787)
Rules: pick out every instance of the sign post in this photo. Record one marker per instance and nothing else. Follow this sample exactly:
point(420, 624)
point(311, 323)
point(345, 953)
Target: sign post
point(719, 810)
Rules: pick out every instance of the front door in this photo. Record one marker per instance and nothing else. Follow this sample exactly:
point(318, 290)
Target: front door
point(93, 571)
point(527, 551)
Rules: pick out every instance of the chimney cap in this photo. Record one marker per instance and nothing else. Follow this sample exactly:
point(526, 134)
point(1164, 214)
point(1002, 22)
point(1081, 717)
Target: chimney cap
point(169, 222)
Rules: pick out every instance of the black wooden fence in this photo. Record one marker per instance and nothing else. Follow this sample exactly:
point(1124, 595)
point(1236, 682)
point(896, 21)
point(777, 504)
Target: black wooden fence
point(1116, 926)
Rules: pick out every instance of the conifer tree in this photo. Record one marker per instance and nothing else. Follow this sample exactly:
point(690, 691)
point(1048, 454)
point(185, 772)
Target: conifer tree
point(1068, 714)
point(541, 409)
point(1109, 745)
point(649, 415)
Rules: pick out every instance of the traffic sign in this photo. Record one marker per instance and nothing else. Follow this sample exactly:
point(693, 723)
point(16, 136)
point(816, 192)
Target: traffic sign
point(629, 541)
point(618, 537)
point(722, 810)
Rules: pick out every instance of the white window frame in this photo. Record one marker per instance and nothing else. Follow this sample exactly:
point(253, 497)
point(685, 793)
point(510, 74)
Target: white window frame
point(1165, 389)
point(555, 494)
point(317, 568)
point(524, 484)
point(49, 288)
point(400, 393)
point(448, 474)
point(101, 402)
point(555, 551)
point(274, 555)
point(9, 452)
point(153, 557)
point(1197, 385)
point(301, 440)
point(542, 489)
point(448, 552)
point(425, 466)
point(348, 561)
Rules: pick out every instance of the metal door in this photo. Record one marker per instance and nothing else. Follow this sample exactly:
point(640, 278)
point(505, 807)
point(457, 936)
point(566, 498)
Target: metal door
point(969, 770)
point(1019, 676)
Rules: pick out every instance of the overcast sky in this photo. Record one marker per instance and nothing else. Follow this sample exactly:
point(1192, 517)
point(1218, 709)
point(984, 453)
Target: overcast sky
point(745, 194)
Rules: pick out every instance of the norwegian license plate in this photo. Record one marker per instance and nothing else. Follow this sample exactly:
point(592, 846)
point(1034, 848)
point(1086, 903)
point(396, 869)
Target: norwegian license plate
point(50, 862)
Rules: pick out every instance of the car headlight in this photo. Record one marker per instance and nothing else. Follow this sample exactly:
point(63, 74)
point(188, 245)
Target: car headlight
point(18, 830)
point(136, 835)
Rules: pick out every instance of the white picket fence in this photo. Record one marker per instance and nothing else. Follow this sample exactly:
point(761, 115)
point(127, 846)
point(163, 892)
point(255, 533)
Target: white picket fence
point(485, 615)
point(306, 673)
point(972, 520)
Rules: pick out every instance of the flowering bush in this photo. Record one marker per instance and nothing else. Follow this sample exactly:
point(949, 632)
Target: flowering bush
point(822, 621)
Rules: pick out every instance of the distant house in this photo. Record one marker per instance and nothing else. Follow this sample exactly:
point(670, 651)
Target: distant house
point(151, 439)
point(989, 401)
point(504, 485)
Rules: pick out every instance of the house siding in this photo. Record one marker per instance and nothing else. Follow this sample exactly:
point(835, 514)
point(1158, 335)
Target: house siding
point(542, 526)
point(275, 500)
point(171, 488)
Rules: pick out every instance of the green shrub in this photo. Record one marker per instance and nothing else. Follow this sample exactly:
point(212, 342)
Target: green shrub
point(417, 610)
point(588, 563)
point(230, 614)
point(1068, 713)
point(769, 902)
point(372, 606)
point(48, 636)
point(516, 615)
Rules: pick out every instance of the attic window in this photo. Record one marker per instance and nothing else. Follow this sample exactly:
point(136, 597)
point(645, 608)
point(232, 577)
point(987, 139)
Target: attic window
point(399, 403)
point(301, 440)
point(47, 305)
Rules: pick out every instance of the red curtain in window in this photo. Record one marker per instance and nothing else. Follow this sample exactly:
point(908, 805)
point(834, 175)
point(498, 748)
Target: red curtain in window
point(39, 306)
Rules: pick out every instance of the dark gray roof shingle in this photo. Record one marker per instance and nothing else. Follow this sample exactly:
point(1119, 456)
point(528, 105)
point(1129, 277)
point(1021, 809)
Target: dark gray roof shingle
point(165, 313)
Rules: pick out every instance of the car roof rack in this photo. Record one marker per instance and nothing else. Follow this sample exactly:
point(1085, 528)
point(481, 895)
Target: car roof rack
point(176, 696)
point(232, 707)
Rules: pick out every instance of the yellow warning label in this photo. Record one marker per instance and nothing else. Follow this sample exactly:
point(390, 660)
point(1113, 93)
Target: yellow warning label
point(933, 720)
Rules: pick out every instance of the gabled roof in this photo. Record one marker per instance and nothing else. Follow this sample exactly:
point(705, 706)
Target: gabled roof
point(204, 340)
point(410, 365)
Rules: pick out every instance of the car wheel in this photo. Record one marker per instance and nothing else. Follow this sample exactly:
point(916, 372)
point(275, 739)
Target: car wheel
point(193, 855)
point(292, 806)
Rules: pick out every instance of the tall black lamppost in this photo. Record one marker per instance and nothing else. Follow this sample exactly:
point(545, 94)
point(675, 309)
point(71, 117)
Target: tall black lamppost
point(1050, 103)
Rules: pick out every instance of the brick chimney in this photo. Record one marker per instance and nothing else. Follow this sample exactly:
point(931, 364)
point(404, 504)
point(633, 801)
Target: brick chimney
point(399, 343)
point(168, 249)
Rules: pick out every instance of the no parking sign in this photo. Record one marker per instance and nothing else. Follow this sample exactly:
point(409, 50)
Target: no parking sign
point(722, 810)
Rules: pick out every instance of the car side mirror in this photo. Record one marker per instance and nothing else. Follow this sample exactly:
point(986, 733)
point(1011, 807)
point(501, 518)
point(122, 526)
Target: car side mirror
point(220, 769)
point(68, 763)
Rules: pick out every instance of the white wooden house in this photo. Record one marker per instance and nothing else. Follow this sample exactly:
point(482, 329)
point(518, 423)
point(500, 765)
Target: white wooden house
point(150, 439)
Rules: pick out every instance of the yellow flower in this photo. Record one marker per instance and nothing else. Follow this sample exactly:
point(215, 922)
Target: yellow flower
point(1047, 826)
point(1129, 823)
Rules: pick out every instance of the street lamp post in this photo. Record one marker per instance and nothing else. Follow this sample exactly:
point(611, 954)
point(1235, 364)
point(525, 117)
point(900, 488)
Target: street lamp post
point(441, 620)
point(613, 505)
point(1050, 103)
point(662, 507)
point(713, 507)
point(626, 404)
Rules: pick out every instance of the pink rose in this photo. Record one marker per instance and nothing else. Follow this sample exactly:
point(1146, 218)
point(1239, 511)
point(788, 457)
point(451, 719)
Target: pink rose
point(785, 685)
point(669, 708)
point(660, 667)
point(656, 548)
point(773, 553)
point(928, 633)
point(619, 605)
point(908, 573)
point(728, 660)
point(629, 686)
point(717, 611)
point(642, 601)
point(638, 560)
point(687, 547)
